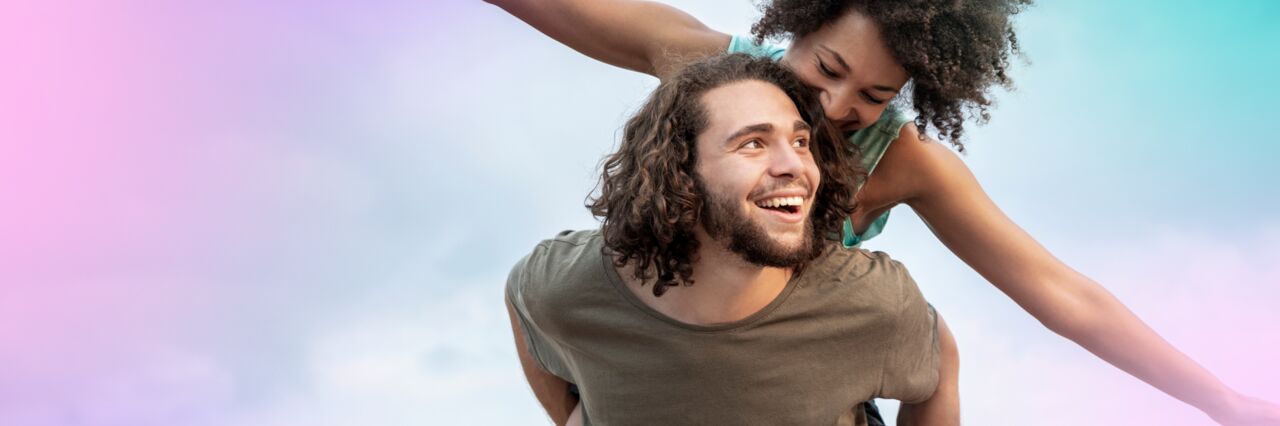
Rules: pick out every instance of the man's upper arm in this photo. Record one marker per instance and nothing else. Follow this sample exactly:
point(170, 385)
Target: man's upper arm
point(527, 300)
point(551, 391)
point(911, 366)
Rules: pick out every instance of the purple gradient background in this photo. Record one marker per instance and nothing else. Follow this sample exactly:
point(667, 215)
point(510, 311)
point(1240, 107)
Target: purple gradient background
point(256, 213)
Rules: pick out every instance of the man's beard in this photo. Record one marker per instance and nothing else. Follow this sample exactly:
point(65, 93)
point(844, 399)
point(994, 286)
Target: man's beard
point(722, 218)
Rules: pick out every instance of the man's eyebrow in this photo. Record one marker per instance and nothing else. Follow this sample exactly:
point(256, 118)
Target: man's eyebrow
point(801, 125)
point(754, 128)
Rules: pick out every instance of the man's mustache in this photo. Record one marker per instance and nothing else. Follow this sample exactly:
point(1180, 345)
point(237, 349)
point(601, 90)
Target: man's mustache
point(782, 186)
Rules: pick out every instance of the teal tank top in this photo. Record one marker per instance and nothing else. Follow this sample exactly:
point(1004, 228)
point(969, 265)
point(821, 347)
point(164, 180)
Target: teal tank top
point(873, 140)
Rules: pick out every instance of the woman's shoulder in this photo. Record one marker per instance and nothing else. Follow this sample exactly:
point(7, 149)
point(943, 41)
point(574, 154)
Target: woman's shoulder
point(748, 45)
point(913, 166)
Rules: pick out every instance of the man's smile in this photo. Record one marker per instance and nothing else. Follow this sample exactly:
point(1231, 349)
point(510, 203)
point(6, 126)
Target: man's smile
point(786, 208)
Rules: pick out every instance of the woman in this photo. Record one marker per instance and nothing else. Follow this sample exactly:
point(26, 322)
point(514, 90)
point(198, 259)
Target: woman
point(944, 56)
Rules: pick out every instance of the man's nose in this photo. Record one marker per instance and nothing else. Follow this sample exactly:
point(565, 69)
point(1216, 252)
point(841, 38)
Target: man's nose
point(785, 161)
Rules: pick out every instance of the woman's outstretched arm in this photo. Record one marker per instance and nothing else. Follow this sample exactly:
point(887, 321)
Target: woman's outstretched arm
point(942, 190)
point(649, 37)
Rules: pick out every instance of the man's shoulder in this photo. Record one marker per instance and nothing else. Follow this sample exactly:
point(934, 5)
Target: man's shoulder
point(877, 289)
point(848, 264)
point(566, 250)
point(557, 266)
point(871, 276)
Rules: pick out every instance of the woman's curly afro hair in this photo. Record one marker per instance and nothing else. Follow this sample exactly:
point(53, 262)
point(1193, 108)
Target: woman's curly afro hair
point(953, 50)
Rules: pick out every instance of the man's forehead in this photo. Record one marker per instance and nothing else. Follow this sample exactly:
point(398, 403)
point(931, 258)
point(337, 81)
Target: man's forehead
point(745, 103)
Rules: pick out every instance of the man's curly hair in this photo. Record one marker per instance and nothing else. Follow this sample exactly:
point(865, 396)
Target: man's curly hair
point(649, 202)
point(953, 50)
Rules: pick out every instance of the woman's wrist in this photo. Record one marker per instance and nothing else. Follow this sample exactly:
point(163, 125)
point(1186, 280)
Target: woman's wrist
point(1222, 404)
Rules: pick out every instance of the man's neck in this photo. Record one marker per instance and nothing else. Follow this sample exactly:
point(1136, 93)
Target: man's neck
point(726, 288)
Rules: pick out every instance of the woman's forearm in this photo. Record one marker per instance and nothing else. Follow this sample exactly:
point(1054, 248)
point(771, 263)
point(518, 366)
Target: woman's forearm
point(645, 36)
point(1104, 326)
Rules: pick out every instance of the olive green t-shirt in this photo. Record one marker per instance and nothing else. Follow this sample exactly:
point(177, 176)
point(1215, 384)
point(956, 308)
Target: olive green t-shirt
point(851, 326)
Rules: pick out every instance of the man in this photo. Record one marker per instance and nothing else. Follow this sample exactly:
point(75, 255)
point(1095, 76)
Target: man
point(710, 295)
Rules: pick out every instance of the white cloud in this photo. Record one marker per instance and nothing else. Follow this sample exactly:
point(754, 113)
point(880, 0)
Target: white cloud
point(401, 360)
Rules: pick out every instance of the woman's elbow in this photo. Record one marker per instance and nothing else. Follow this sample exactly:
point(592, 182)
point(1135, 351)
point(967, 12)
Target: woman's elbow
point(1079, 311)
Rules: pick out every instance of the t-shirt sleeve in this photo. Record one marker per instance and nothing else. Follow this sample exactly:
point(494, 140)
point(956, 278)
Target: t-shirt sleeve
point(523, 293)
point(911, 365)
point(740, 44)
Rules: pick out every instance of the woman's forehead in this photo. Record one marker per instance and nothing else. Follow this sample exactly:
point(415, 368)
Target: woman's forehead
point(853, 41)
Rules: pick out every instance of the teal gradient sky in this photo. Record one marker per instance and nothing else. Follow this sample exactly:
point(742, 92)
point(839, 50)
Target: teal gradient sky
point(303, 213)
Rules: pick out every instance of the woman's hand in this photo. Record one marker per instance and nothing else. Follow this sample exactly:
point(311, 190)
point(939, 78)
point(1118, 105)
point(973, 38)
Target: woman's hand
point(1244, 410)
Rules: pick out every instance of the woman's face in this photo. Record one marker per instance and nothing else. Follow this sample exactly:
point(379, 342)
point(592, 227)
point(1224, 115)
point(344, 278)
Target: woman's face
point(850, 67)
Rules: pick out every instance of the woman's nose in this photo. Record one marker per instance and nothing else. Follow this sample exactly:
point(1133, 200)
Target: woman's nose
point(839, 107)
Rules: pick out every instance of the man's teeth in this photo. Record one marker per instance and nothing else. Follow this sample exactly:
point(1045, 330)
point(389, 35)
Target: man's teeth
point(781, 201)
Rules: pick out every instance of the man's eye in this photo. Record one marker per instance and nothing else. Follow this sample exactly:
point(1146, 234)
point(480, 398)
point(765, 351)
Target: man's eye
point(753, 144)
point(800, 143)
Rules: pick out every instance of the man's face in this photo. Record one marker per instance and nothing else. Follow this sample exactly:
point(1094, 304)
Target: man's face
point(757, 174)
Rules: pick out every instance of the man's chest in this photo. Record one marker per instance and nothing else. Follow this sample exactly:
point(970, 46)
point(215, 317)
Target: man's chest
point(783, 370)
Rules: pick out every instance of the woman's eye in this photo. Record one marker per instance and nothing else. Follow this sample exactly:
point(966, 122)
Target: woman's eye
point(822, 66)
point(800, 143)
point(871, 99)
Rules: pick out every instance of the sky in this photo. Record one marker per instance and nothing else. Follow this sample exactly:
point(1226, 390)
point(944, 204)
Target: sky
point(303, 213)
